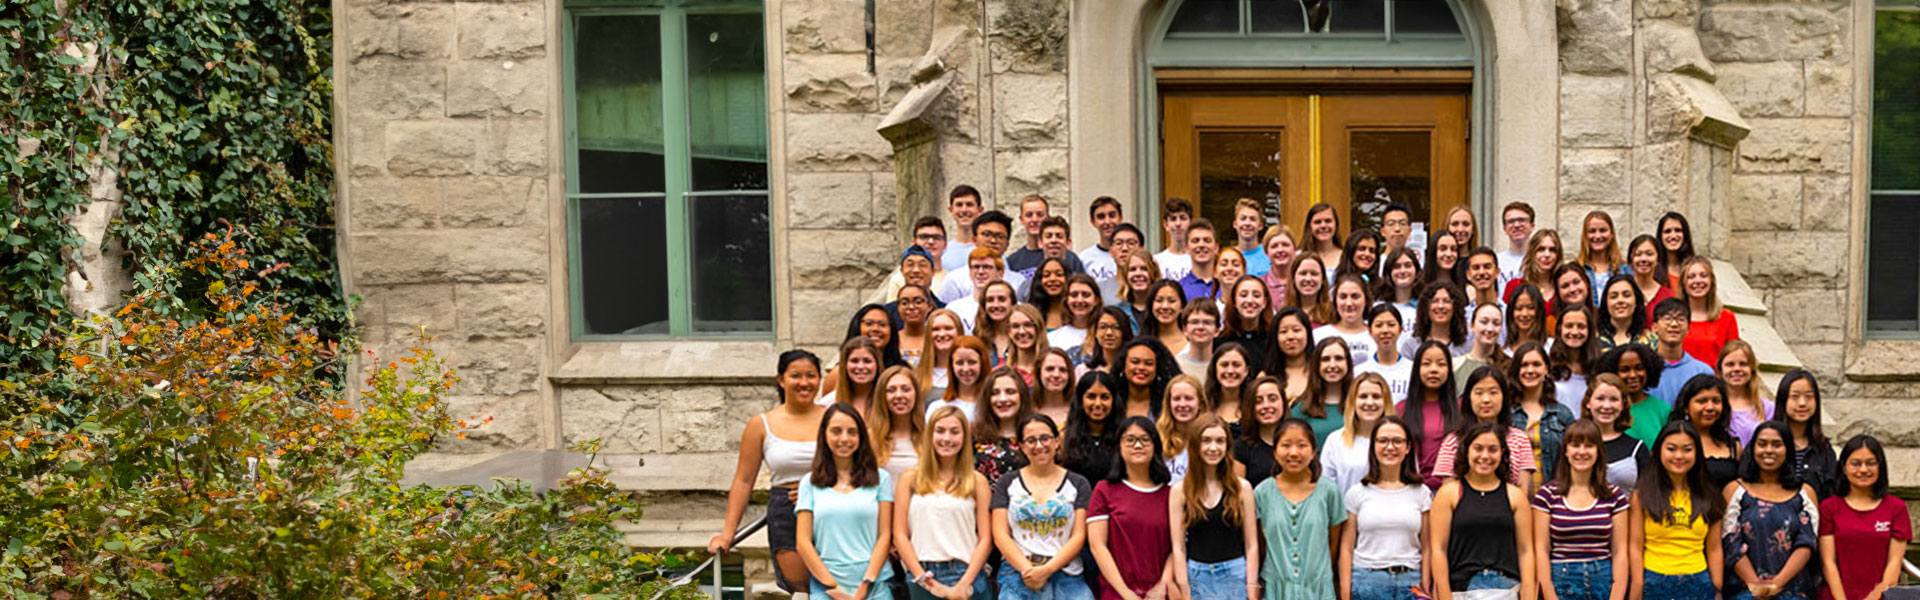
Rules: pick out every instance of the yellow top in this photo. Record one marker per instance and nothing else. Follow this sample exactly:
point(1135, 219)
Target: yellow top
point(1677, 549)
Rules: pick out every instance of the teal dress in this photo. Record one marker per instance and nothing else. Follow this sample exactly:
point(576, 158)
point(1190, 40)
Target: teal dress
point(1322, 427)
point(1298, 563)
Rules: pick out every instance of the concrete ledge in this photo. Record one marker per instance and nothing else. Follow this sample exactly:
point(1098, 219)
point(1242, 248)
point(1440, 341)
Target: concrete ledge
point(711, 471)
point(1884, 361)
point(1735, 293)
point(1773, 352)
point(666, 362)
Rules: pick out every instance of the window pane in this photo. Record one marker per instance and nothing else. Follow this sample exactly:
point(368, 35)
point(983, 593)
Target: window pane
point(1235, 165)
point(617, 104)
point(1351, 16)
point(730, 270)
point(1896, 109)
point(1208, 16)
point(623, 265)
point(1390, 166)
point(727, 101)
point(1893, 262)
point(1423, 16)
point(1279, 16)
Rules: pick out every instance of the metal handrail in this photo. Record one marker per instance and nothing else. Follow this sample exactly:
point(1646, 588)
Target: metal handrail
point(713, 561)
point(1908, 566)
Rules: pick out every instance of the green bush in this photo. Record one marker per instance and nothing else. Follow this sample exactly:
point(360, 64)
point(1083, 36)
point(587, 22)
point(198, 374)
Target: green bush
point(205, 457)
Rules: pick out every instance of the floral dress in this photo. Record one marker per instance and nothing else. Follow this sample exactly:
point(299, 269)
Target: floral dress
point(1766, 534)
point(996, 459)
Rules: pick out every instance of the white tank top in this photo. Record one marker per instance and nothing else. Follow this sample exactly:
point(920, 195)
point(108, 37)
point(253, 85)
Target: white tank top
point(787, 461)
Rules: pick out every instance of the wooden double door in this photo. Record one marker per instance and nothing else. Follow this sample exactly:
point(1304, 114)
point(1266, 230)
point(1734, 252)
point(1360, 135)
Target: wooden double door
point(1356, 151)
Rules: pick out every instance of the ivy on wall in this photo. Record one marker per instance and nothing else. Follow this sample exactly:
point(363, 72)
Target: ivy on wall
point(211, 114)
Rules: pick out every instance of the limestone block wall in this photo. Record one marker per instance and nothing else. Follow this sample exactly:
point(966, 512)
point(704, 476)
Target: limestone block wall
point(444, 111)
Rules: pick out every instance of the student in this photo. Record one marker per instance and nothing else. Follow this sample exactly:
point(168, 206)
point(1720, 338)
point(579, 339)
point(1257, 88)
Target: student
point(874, 323)
point(940, 514)
point(1163, 319)
point(967, 369)
point(989, 321)
point(1396, 226)
point(1034, 218)
point(1093, 425)
point(1460, 223)
point(1280, 248)
point(1211, 513)
point(983, 272)
point(1287, 357)
point(1798, 404)
point(1300, 520)
point(991, 229)
point(1580, 523)
point(1343, 458)
point(1249, 320)
point(1260, 428)
point(1098, 257)
point(1005, 400)
point(1199, 323)
point(1599, 252)
point(943, 332)
point(1443, 261)
point(1049, 292)
point(1056, 243)
point(1350, 304)
point(1481, 540)
point(918, 264)
point(1360, 257)
point(1249, 217)
point(1605, 404)
point(856, 375)
point(1175, 215)
point(1323, 236)
point(1483, 278)
point(1128, 523)
point(1442, 318)
point(1516, 220)
point(1636, 366)
point(1146, 369)
point(1307, 289)
point(1082, 306)
point(1571, 287)
point(1863, 532)
point(1536, 407)
point(913, 305)
point(1670, 327)
point(1040, 521)
point(1713, 325)
point(1053, 397)
point(894, 421)
point(1702, 404)
point(1140, 273)
point(1571, 355)
point(1324, 404)
point(1227, 380)
point(845, 536)
point(1430, 408)
point(1399, 284)
point(1202, 249)
point(1748, 402)
point(1102, 349)
point(1228, 268)
point(1186, 402)
point(1027, 340)
point(1542, 260)
point(1771, 524)
point(1127, 241)
point(963, 204)
point(1485, 351)
point(1383, 543)
point(1383, 322)
point(1488, 399)
point(1676, 243)
point(1648, 273)
point(1674, 530)
point(778, 439)
point(1526, 318)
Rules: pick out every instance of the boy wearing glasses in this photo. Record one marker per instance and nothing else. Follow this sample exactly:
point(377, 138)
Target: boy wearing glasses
point(1670, 322)
point(1517, 221)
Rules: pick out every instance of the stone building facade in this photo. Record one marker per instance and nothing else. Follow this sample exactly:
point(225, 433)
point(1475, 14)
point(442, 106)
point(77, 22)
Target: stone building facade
point(1751, 117)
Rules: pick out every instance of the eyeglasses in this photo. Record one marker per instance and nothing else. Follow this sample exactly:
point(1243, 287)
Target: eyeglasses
point(1390, 442)
point(1518, 221)
point(992, 235)
point(1035, 440)
point(1137, 440)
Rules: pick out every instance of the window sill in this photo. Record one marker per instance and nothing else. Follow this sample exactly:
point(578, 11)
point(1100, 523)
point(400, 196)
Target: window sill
point(666, 362)
point(1885, 361)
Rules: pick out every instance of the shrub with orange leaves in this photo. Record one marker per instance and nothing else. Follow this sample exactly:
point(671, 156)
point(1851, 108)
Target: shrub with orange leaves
point(222, 457)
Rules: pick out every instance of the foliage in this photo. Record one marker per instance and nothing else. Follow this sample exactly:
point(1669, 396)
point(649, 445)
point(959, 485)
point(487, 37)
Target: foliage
point(202, 113)
point(206, 459)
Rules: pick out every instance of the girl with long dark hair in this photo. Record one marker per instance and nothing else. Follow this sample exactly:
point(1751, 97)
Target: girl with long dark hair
point(1004, 401)
point(1383, 543)
point(1489, 399)
point(1481, 535)
point(1300, 520)
point(1571, 354)
point(780, 440)
point(1092, 426)
point(1798, 404)
point(1443, 262)
point(1260, 420)
point(1441, 318)
point(1248, 321)
point(845, 512)
point(1102, 349)
point(1536, 411)
point(1040, 521)
point(1674, 529)
point(1703, 404)
point(1772, 522)
point(1580, 526)
point(1227, 378)
point(1863, 532)
point(1430, 408)
point(1625, 318)
point(1146, 367)
point(1287, 357)
point(1323, 406)
point(1128, 522)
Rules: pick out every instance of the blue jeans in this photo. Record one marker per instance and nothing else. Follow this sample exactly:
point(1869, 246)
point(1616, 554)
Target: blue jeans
point(1679, 587)
point(1217, 581)
point(1491, 580)
point(1384, 584)
point(948, 572)
point(1060, 586)
point(880, 590)
point(1583, 580)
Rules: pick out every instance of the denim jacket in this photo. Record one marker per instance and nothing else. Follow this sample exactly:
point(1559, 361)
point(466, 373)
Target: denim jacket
point(1553, 425)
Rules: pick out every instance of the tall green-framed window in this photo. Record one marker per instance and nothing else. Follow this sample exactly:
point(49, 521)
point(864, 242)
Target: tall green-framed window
point(668, 232)
point(1893, 211)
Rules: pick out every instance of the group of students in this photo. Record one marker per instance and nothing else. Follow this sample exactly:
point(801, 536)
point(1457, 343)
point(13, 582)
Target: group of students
point(1099, 426)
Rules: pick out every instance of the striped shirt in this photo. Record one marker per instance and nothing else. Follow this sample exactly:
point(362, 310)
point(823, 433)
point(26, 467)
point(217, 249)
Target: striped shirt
point(1579, 534)
point(1520, 463)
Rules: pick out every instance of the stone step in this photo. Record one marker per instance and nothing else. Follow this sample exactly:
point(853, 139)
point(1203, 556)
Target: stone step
point(1736, 294)
point(1774, 353)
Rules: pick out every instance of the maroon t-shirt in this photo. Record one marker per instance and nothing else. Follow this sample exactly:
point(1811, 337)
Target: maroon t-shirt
point(1137, 533)
point(1860, 540)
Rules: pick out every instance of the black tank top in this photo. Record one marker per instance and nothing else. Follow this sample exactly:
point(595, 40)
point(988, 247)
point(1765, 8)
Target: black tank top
point(1211, 539)
point(1482, 536)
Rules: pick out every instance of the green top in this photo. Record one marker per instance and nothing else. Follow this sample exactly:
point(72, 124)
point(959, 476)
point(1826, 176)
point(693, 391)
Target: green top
point(1298, 563)
point(1322, 427)
point(1649, 416)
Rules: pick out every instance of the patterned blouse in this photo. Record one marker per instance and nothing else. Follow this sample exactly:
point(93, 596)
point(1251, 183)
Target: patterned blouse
point(996, 459)
point(1767, 533)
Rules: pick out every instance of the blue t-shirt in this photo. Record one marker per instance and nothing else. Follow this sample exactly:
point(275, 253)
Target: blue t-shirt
point(1676, 375)
point(1257, 262)
point(845, 527)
